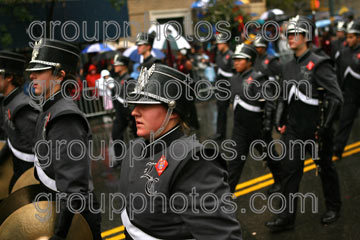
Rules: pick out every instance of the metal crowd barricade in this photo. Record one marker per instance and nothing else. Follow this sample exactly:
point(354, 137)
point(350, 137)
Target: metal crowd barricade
point(91, 104)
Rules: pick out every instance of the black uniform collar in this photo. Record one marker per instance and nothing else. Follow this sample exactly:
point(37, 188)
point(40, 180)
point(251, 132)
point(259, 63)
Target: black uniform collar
point(52, 100)
point(148, 58)
point(11, 96)
point(123, 75)
point(356, 47)
point(226, 52)
point(263, 56)
point(302, 57)
point(168, 138)
point(246, 73)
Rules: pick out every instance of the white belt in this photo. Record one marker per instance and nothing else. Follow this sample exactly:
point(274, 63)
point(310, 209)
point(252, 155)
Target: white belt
point(45, 179)
point(302, 97)
point(27, 157)
point(226, 74)
point(352, 72)
point(246, 105)
point(135, 232)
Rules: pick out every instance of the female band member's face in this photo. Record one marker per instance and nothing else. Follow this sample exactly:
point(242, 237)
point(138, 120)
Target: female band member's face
point(45, 83)
point(148, 118)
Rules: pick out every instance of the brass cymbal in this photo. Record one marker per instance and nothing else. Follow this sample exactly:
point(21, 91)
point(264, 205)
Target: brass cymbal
point(18, 199)
point(6, 173)
point(26, 179)
point(28, 223)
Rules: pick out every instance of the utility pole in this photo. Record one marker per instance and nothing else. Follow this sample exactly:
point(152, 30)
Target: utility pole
point(331, 8)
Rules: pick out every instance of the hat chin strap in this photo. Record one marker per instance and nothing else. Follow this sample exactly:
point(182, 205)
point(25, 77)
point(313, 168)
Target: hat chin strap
point(171, 107)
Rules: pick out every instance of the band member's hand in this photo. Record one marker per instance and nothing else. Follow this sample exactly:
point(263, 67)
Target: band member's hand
point(282, 129)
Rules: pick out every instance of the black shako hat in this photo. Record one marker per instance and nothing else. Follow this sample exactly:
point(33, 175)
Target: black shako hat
point(354, 27)
point(145, 38)
point(301, 24)
point(120, 60)
point(221, 38)
point(245, 51)
point(261, 42)
point(165, 85)
point(341, 26)
point(49, 54)
point(12, 63)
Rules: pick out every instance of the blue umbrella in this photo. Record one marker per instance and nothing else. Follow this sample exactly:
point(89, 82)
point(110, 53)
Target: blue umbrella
point(323, 23)
point(132, 53)
point(205, 3)
point(98, 47)
point(197, 4)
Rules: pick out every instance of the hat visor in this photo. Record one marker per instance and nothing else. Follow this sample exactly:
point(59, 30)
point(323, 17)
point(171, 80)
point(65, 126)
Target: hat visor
point(141, 43)
point(353, 31)
point(241, 56)
point(141, 98)
point(296, 30)
point(37, 67)
point(260, 45)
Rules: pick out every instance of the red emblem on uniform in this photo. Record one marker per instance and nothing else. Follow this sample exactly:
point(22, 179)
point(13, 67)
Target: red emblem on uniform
point(310, 65)
point(47, 119)
point(344, 43)
point(161, 165)
point(266, 61)
point(327, 42)
point(227, 57)
point(249, 80)
point(9, 115)
point(358, 55)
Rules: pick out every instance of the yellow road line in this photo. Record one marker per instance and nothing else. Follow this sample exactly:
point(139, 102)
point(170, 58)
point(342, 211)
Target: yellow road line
point(352, 152)
point(258, 186)
point(254, 188)
point(271, 181)
point(269, 175)
point(353, 145)
point(118, 237)
point(112, 231)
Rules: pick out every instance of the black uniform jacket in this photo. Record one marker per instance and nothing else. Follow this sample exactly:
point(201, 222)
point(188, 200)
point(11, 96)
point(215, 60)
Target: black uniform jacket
point(149, 61)
point(268, 65)
point(19, 125)
point(166, 180)
point(302, 77)
point(224, 64)
point(247, 96)
point(348, 66)
point(62, 160)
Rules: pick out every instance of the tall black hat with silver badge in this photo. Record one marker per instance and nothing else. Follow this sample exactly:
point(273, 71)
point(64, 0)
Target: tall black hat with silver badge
point(301, 24)
point(54, 54)
point(144, 38)
point(120, 60)
point(12, 63)
point(245, 51)
point(354, 27)
point(341, 26)
point(165, 85)
point(261, 42)
point(221, 38)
